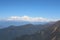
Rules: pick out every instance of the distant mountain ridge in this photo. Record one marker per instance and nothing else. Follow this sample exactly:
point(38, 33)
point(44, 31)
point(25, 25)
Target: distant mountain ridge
point(12, 32)
point(4, 24)
point(49, 33)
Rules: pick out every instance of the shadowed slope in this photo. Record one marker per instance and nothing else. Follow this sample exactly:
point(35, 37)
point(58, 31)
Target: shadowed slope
point(50, 33)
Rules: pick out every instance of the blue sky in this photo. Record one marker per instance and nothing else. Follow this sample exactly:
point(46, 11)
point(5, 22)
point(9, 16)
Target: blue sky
point(34, 8)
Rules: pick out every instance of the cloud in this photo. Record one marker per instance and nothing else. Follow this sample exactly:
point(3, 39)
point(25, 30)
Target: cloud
point(27, 18)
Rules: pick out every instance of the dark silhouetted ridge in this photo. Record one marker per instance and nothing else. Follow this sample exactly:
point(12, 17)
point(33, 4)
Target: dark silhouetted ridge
point(50, 33)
